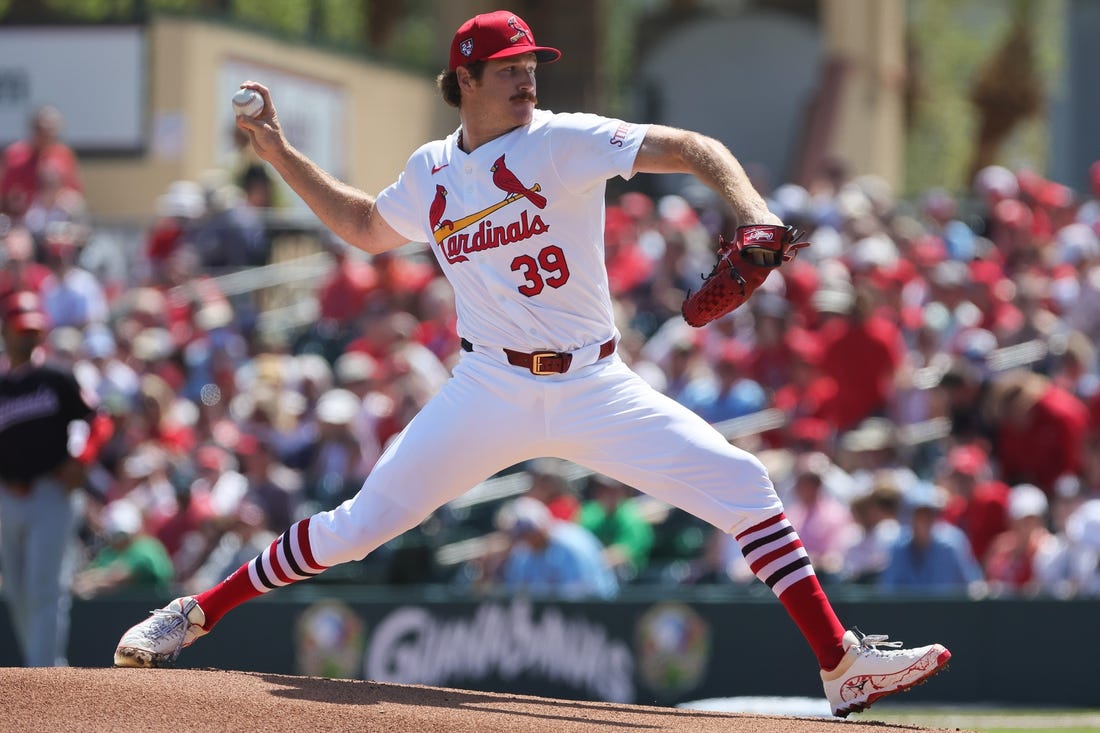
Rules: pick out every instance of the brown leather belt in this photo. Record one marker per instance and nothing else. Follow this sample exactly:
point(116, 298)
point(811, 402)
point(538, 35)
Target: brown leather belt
point(545, 362)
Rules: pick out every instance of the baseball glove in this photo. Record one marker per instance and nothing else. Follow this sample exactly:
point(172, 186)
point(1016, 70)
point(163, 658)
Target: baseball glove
point(742, 267)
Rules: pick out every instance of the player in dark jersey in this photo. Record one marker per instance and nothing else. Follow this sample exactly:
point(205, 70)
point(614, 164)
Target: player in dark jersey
point(44, 419)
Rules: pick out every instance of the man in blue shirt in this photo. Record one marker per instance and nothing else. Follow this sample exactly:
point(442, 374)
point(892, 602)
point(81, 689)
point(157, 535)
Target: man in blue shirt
point(930, 555)
point(550, 557)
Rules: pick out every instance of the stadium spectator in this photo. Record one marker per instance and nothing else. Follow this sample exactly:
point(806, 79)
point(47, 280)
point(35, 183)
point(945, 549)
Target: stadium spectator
point(964, 394)
point(610, 515)
point(977, 502)
point(400, 281)
point(808, 393)
point(25, 160)
point(629, 266)
point(727, 392)
point(245, 537)
point(1075, 368)
point(359, 373)
point(278, 491)
point(178, 211)
point(870, 451)
point(335, 469)
point(343, 293)
point(930, 556)
point(102, 372)
point(72, 295)
point(550, 485)
point(769, 358)
point(1040, 429)
point(157, 420)
point(390, 339)
point(18, 269)
point(822, 521)
point(438, 326)
point(685, 363)
point(1069, 566)
point(232, 232)
point(862, 352)
point(194, 508)
point(143, 481)
point(867, 550)
point(55, 202)
point(551, 558)
point(1009, 564)
point(130, 559)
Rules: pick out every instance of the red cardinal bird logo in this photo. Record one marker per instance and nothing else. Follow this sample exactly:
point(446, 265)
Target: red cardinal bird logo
point(506, 180)
point(439, 204)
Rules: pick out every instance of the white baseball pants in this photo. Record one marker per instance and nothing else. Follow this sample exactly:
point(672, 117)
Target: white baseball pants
point(491, 415)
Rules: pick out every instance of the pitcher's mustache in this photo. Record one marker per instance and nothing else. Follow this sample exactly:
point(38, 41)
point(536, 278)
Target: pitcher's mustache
point(525, 97)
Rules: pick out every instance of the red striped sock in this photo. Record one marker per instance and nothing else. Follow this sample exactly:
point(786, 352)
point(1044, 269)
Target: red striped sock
point(776, 556)
point(287, 560)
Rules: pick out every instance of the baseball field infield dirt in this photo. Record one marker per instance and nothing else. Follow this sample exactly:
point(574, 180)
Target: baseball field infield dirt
point(175, 700)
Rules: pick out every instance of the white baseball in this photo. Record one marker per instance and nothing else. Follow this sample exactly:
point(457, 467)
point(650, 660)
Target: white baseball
point(248, 102)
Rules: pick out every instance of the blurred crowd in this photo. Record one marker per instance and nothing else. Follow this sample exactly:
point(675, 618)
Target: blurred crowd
point(929, 365)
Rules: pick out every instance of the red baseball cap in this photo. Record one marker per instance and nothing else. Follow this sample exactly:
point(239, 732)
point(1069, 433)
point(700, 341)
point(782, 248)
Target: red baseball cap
point(496, 35)
point(967, 459)
point(23, 310)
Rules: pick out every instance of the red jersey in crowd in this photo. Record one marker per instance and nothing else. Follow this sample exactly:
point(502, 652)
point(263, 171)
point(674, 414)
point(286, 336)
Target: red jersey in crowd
point(22, 160)
point(1047, 444)
point(862, 358)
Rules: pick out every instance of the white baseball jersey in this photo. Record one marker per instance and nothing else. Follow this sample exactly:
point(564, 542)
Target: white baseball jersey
point(517, 226)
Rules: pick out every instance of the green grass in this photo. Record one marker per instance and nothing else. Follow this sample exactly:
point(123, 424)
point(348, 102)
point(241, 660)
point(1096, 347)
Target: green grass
point(991, 720)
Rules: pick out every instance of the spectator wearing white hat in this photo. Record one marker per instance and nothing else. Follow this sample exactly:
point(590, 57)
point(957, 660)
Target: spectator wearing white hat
point(359, 373)
point(336, 468)
point(1070, 565)
point(1009, 564)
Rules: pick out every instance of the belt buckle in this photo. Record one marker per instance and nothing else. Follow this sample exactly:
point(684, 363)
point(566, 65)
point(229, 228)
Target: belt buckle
point(536, 362)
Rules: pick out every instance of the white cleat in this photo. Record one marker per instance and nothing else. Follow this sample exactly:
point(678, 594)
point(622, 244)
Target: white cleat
point(867, 673)
point(157, 641)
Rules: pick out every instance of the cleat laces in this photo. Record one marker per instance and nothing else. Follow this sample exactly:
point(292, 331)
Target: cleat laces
point(870, 643)
point(163, 624)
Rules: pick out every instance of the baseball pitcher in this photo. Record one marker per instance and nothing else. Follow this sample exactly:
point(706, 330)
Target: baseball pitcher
point(512, 205)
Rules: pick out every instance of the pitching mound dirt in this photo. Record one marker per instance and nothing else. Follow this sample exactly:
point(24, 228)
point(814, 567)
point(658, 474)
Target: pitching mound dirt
point(174, 700)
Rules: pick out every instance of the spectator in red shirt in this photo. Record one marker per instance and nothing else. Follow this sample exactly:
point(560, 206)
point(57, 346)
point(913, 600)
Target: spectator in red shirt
point(160, 425)
point(978, 504)
point(186, 523)
point(993, 294)
point(862, 353)
point(400, 281)
point(23, 161)
point(18, 269)
point(770, 361)
point(343, 293)
point(1040, 429)
point(627, 264)
point(550, 484)
point(438, 327)
point(809, 393)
